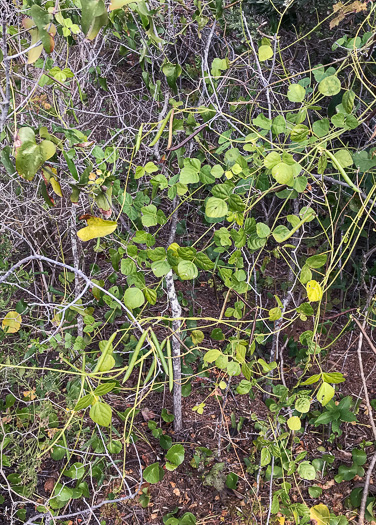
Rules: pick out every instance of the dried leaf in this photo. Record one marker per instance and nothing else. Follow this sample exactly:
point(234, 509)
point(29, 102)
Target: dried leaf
point(343, 10)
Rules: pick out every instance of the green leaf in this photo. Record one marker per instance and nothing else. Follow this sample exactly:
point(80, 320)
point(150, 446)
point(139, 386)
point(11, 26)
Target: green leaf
point(150, 295)
point(160, 268)
point(174, 457)
point(133, 298)
point(233, 368)
point(266, 457)
point(187, 253)
point(128, 267)
point(29, 159)
point(217, 171)
point(300, 184)
point(315, 491)
point(188, 519)
point(75, 471)
point(305, 308)
point(330, 86)
point(235, 203)
point(262, 122)
point(307, 471)
point(57, 451)
point(108, 363)
point(321, 127)
point(84, 402)
point(283, 173)
point(280, 233)
point(244, 386)
point(217, 334)
point(272, 159)
point(48, 149)
point(317, 261)
point(187, 270)
point(216, 208)
point(333, 377)
point(114, 447)
point(325, 394)
point(296, 93)
point(149, 217)
point(42, 20)
point(359, 456)
point(203, 261)
point(265, 52)
point(166, 416)
point(305, 274)
point(93, 17)
point(212, 355)
point(299, 133)
point(302, 404)
point(294, 423)
point(348, 99)
point(344, 158)
point(218, 65)
point(197, 336)
point(153, 473)
point(101, 413)
point(262, 230)
point(172, 72)
point(232, 480)
point(104, 389)
point(311, 380)
point(279, 125)
point(275, 314)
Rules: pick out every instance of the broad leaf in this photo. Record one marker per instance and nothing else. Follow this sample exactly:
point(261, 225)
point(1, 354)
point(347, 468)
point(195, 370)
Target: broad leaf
point(314, 291)
point(11, 322)
point(330, 86)
point(101, 413)
point(174, 457)
point(296, 93)
point(96, 227)
point(153, 473)
point(320, 514)
point(265, 52)
point(133, 298)
point(325, 394)
point(187, 270)
point(294, 423)
point(94, 17)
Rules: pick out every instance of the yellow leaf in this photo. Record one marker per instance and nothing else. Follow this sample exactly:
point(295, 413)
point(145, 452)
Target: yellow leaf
point(30, 394)
point(314, 291)
point(294, 423)
point(320, 514)
point(12, 322)
point(56, 186)
point(174, 247)
point(36, 52)
point(96, 227)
